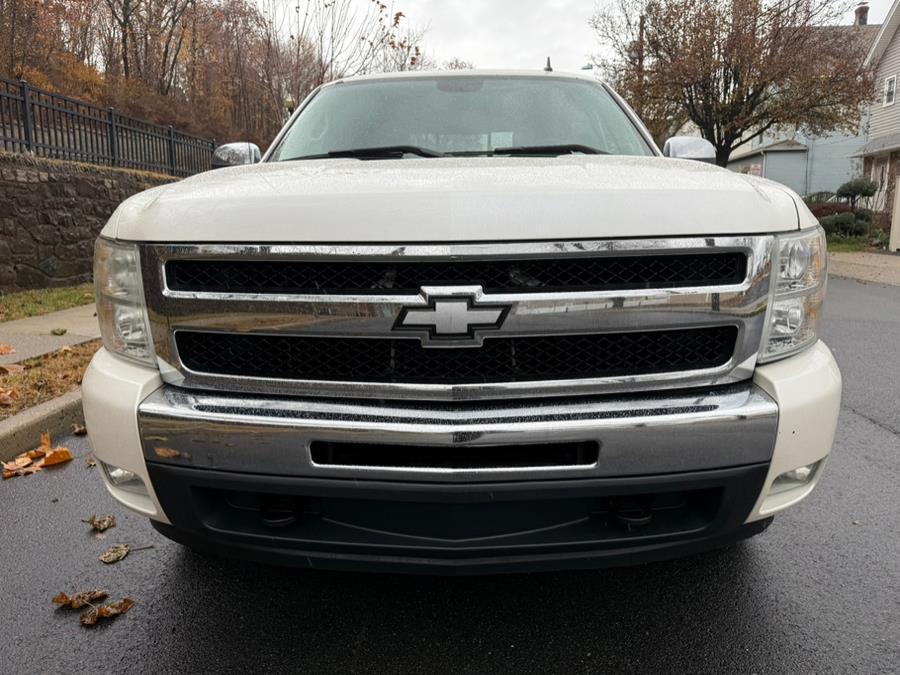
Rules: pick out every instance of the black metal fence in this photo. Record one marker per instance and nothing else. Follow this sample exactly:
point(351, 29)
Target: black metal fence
point(51, 125)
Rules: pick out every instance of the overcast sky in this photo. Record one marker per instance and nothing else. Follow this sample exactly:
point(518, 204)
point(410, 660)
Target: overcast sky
point(520, 34)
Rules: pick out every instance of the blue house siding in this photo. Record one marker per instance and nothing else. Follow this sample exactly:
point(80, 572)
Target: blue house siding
point(786, 167)
point(826, 163)
point(832, 162)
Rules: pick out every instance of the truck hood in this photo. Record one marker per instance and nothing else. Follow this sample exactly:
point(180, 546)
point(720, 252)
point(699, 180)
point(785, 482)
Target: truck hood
point(456, 199)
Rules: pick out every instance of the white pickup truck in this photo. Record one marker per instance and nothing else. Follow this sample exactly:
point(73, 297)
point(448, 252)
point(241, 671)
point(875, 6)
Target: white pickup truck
point(462, 323)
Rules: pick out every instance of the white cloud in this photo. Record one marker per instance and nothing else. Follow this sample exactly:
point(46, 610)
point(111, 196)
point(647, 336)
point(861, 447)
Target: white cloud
point(506, 33)
point(522, 34)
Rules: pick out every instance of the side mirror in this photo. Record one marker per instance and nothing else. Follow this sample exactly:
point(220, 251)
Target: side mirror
point(690, 147)
point(235, 154)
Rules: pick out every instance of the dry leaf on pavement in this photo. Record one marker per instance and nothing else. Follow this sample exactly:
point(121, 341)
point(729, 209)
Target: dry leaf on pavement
point(79, 430)
point(6, 349)
point(79, 600)
point(58, 331)
point(113, 609)
point(100, 524)
point(116, 553)
point(56, 456)
point(90, 462)
point(35, 460)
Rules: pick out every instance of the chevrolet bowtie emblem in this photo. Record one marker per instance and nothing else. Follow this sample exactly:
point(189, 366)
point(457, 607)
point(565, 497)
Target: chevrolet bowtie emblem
point(456, 320)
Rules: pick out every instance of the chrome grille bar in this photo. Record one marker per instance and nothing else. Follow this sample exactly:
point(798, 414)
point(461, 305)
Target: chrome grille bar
point(374, 315)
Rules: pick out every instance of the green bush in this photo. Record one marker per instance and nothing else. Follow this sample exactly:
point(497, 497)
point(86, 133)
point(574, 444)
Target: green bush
point(843, 224)
point(852, 190)
point(865, 215)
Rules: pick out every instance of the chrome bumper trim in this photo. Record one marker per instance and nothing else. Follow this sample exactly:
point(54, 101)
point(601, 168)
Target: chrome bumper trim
point(638, 435)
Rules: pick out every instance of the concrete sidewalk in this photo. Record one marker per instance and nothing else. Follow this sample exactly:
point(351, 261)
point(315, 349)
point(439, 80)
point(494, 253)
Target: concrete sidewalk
point(882, 268)
point(33, 336)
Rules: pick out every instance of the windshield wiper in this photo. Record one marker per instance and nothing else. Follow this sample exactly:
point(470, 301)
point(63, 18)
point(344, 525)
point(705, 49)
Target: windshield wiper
point(384, 152)
point(553, 150)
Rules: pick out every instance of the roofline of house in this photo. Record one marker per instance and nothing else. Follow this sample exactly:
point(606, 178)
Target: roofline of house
point(766, 150)
point(885, 34)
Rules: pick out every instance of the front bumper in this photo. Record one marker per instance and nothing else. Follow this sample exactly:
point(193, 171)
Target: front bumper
point(223, 471)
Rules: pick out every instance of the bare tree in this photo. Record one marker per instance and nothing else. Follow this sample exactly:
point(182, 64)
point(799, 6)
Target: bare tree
point(735, 68)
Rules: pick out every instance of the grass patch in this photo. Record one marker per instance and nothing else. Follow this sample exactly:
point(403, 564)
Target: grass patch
point(849, 244)
point(43, 301)
point(45, 377)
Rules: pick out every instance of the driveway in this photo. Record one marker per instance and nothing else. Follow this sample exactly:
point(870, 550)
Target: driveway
point(818, 592)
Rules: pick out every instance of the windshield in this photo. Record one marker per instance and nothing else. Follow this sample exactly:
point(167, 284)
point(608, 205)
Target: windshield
point(466, 115)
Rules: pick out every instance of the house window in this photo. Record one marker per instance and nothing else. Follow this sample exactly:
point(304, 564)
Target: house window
point(890, 89)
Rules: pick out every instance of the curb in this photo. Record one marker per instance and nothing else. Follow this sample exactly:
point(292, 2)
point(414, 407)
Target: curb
point(865, 275)
point(22, 431)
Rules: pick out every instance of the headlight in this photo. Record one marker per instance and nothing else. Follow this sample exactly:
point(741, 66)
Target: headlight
point(120, 301)
point(798, 281)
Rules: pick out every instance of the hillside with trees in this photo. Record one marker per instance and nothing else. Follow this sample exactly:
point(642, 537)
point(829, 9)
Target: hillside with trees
point(226, 69)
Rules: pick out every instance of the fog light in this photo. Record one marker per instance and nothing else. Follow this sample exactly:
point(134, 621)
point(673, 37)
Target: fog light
point(794, 478)
point(124, 479)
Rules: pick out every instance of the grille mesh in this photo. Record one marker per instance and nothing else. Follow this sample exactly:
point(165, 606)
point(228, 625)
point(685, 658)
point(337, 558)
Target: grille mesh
point(523, 275)
point(498, 360)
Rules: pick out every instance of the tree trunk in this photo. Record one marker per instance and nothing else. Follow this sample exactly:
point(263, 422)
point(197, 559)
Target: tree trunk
point(722, 155)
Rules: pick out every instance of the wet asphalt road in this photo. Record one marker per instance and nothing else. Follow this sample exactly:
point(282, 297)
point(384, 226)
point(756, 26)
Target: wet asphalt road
point(818, 592)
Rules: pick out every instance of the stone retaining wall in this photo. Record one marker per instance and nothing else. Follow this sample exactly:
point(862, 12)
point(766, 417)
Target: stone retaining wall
point(50, 214)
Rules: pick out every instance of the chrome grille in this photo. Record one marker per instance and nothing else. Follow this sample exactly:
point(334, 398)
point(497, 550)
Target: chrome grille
point(284, 337)
point(621, 272)
point(519, 359)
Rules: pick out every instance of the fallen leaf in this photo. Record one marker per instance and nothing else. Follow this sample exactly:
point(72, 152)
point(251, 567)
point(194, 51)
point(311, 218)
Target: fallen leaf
point(79, 430)
point(115, 553)
point(113, 609)
point(11, 369)
point(35, 460)
point(58, 331)
point(90, 462)
point(79, 600)
point(100, 524)
point(6, 349)
point(56, 456)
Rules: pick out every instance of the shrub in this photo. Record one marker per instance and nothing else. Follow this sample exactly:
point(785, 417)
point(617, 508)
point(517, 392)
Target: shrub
point(819, 210)
point(865, 215)
point(852, 190)
point(844, 225)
